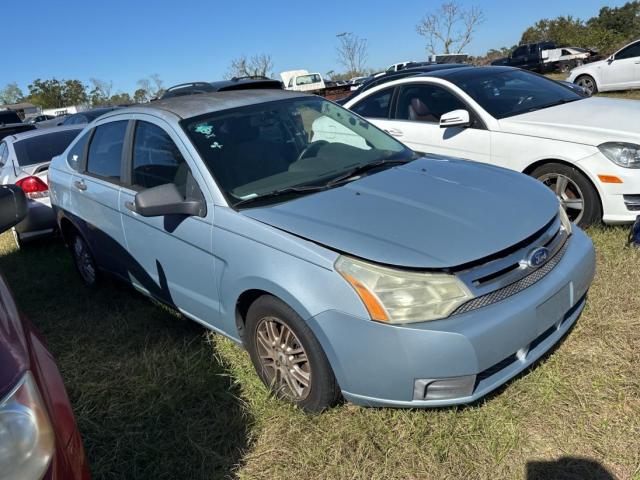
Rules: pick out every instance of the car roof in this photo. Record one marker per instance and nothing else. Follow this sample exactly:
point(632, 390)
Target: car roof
point(236, 83)
point(42, 131)
point(468, 72)
point(188, 106)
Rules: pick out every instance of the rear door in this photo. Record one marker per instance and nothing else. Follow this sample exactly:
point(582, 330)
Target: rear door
point(172, 255)
point(95, 194)
point(418, 109)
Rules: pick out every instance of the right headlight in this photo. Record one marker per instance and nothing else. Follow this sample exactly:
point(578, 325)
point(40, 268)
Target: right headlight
point(26, 435)
point(626, 155)
point(399, 296)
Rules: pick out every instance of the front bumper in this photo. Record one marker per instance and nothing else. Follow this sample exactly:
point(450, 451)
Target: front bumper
point(617, 198)
point(378, 364)
point(40, 220)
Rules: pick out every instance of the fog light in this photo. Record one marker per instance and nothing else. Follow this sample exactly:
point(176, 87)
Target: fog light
point(443, 388)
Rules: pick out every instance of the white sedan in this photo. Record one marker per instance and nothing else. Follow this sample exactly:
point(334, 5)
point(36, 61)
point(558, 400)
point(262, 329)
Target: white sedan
point(587, 150)
point(621, 71)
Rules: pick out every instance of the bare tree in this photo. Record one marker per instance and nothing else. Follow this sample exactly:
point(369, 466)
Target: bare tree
point(450, 28)
point(256, 66)
point(148, 88)
point(352, 53)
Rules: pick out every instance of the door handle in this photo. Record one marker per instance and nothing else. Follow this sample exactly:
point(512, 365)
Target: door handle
point(638, 62)
point(394, 132)
point(80, 185)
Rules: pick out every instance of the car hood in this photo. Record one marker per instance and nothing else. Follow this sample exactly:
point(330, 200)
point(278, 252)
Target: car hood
point(432, 213)
point(590, 121)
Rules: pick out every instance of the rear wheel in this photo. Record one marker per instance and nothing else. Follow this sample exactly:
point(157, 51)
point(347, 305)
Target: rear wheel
point(287, 356)
point(85, 263)
point(575, 192)
point(588, 84)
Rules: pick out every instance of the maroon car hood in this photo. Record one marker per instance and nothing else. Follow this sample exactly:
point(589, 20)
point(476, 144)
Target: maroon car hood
point(14, 355)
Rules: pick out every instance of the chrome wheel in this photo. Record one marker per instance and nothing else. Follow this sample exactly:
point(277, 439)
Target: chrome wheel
point(283, 360)
point(587, 84)
point(84, 261)
point(568, 193)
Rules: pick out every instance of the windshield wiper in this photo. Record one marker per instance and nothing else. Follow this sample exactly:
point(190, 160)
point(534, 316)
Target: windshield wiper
point(278, 193)
point(360, 169)
point(552, 104)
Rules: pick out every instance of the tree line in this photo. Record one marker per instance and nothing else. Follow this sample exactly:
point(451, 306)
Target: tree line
point(55, 93)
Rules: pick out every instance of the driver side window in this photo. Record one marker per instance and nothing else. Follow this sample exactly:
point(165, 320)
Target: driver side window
point(156, 161)
point(631, 51)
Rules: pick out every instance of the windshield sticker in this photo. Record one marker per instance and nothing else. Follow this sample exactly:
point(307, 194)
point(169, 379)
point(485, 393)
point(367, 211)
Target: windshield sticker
point(216, 145)
point(206, 130)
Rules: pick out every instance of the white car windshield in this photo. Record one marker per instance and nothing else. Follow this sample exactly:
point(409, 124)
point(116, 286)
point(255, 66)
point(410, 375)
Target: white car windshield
point(513, 92)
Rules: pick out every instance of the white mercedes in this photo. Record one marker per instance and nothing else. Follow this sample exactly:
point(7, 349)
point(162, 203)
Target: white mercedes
point(587, 150)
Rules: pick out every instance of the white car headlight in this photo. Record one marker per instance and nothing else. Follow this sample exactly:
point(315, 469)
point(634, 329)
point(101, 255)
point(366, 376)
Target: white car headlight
point(564, 220)
point(399, 296)
point(26, 435)
point(626, 155)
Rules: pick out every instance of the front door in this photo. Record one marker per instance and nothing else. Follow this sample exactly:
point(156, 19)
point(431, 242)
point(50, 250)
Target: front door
point(173, 254)
point(417, 124)
point(624, 70)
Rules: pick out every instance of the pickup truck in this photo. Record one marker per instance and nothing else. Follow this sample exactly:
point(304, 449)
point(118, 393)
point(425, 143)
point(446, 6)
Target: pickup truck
point(303, 81)
point(546, 57)
point(528, 56)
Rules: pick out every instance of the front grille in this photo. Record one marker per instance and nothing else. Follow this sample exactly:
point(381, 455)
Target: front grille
point(513, 288)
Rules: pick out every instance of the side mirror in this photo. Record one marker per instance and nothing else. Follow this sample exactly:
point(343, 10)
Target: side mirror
point(611, 59)
point(13, 206)
point(457, 118)
point(166, 200)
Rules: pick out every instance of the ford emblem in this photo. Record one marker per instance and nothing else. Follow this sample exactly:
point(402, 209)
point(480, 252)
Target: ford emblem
point(538, 256)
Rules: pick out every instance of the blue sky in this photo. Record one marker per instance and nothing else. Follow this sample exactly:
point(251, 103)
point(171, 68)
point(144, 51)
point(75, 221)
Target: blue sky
point(123, 41)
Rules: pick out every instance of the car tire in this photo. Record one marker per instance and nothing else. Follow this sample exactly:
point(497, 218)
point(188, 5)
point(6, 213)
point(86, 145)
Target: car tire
point(287, 356)
point(573, 190)
point(84, 260)
point(588, 83)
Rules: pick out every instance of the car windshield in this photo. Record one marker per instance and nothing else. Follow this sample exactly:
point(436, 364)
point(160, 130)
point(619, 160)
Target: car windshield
point(42, 148)
point(513, 92)
point(300, 142)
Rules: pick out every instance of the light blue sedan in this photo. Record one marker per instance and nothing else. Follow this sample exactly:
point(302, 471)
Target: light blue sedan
point(346, 264)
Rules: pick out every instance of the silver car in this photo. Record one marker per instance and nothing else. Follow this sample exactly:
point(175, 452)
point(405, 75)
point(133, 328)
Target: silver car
point(24, 161)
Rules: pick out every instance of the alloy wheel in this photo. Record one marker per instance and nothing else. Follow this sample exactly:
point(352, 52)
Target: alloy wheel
point(283, 359)
point(84, 260)
point(568, 193)
point(587, 84)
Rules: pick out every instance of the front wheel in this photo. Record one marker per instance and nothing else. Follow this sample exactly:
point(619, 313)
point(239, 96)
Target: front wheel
point(588, 84)
point(575, 192)
point(287, 356)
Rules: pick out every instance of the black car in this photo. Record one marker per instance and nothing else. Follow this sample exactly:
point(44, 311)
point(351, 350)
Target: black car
point(406, 72)
point(10, 124)
point(236, 83)
point(87, 116)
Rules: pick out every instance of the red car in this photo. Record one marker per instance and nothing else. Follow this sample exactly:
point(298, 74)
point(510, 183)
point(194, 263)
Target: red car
point(39, 438)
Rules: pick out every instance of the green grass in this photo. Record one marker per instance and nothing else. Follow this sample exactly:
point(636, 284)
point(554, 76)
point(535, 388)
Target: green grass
point(157, 397)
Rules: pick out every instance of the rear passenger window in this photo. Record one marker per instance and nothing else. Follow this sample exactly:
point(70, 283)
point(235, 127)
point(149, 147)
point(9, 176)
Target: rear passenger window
point(74, 158)
point(375, 105)
point(156, 159)
point(105, 151)
point(4, 153)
